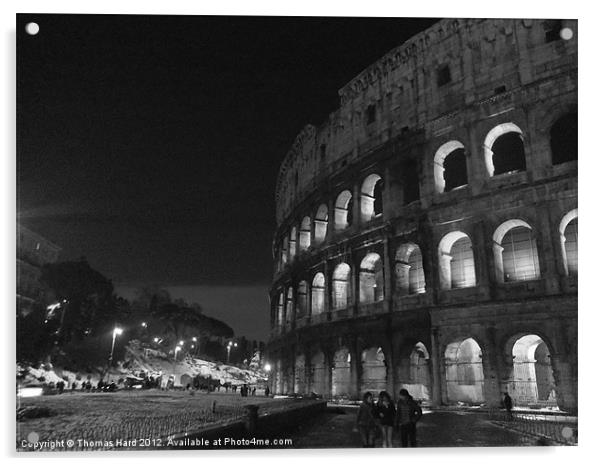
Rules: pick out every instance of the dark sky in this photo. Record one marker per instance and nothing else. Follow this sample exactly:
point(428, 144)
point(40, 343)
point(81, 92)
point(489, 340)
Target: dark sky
point(151, 144)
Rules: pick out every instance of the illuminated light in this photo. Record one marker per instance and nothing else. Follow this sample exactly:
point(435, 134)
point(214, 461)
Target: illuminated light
point(117, 331)
point(267, 367)
point(54, 306)
point(192, 346)
point(178, 348)
point(181, 342)
point(156, 339)
point(194, 339)
point(144, 324)
point(566, 33)
point(28, 392)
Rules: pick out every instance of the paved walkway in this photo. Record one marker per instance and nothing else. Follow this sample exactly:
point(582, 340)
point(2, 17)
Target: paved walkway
point(334, 429)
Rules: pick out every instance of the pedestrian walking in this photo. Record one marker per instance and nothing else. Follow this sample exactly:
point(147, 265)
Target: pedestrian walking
point(508, 405)
point(408, 414)
point(267, 391)
point(366, 421)
point(385, 412)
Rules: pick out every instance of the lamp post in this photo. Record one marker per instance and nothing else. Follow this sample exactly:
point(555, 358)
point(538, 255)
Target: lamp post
point(229, 348)
point(116, 331)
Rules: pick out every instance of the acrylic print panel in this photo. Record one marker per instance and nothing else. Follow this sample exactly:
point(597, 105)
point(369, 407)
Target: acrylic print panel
point(189, 277)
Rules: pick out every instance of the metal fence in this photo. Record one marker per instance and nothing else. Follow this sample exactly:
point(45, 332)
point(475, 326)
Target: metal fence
point(549, 428)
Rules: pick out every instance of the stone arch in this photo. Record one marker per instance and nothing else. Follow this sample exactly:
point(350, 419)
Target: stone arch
point(515, 252)
point(568, 240)
point(504, 149)
point(292, 243)
point(371, 197)
point(341, 286)
point(284, 251)
point(343, 210)
point(371, 279)
point(409, 271)
point(341, 373)
point(305, 234)
point(415, 374)
point(374, 370)
point(280, 314)
point(288, 311)
point(302, 299)
point(321, 224)
point(450, 167)
point(464, 372)
point(299, 382)
point(456, 261)
point(318, 374)
point(317, 294)
point(563, 138)
point(531, 379)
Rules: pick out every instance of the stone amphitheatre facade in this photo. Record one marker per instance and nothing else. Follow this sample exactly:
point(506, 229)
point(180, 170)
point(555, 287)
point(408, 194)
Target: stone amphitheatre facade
point(427, 230)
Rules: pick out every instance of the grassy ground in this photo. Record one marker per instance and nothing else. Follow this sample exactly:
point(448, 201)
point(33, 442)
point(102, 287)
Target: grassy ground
point(133, 413)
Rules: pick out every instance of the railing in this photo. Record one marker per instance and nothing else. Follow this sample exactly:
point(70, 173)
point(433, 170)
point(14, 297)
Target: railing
point(555, 428)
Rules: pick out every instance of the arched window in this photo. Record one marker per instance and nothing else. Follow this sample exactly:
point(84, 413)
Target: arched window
point(280, 314)
point(341, 286)
point(568, 239)
point(305, 234)
point(409, 273)
point(456, 261)
point(515, 252)
point(289, 306)
point(450, 167)
point(504, 150)
point(343, 215)
point(317, 294)
point(292, 243)
point(302, 299)
point(284, 251)
point(321, 224)
point(371, 199)
point(563, 139)
point(371, 279)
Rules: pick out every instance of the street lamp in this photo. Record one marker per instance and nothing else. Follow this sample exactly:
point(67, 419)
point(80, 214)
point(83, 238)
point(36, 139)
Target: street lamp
point(144, 325)
point(175, 353)
point(267, 367)
point(116, 331)
point(229, 348)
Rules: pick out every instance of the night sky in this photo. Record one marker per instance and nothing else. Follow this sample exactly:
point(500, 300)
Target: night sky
point(151, 144)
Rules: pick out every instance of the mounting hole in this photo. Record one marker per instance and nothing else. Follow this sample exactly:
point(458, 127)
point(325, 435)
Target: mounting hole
point(32, 28)
point(566, 33)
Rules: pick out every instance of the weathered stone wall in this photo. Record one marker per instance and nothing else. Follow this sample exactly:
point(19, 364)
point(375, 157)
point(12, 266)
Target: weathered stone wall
point(502, 74)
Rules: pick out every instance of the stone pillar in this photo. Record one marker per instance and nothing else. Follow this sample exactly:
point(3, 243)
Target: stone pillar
point(437, 369)
point(566, 383)
point(357, 200)
point(327, 298)
point(391, 362)
point(387, 277)
point(355, 370)
point(328, 356)
point(491, 384)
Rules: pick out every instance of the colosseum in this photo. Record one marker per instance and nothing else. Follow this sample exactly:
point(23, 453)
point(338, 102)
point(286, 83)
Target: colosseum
point(427, 231)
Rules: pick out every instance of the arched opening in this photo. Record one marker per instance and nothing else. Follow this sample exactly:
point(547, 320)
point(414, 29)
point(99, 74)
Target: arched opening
point(299, 374)
point(374, 371)
point(341, 286)
point(450, 167)
point(341, 373)
point(321, 224)
point(409, 272)
point(284, 251)
point(504, 150)
point(515, 252)
point(568, 239)
point(419, 380)
point(292, 243)
point(317, 294)
point(456, 261)
point(464, 372)
point(302, 299)
point(371, 199)
point(280, 319)
point(343, 211)
point(289, 306)
point(371, 279)
point(563, 139)
point(318, 374)
point(305, 234)
point(532, 381)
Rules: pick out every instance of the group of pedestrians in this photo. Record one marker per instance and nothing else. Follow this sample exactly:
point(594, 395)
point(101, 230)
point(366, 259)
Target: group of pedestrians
point(384, 416)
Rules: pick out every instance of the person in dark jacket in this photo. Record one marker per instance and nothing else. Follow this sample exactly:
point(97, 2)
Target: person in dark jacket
point(366, 422)
point(508, 405)
point(408, 414)
point(385, 412)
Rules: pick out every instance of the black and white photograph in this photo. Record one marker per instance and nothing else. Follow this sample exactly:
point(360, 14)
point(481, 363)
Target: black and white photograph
point(240, 232)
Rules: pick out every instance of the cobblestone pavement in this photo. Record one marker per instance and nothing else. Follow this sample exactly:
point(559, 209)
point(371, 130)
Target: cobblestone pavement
point(335, 429)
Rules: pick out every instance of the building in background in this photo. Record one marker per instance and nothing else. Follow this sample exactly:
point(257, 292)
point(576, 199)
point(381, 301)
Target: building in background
point(427, 230)
point(33, 251)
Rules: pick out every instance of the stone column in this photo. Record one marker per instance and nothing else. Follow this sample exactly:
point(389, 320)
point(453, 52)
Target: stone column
point(437, 368)
point(491, 384)
point(328, 355)
point(355, 369)
point(387, 274)
point(327, 298)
